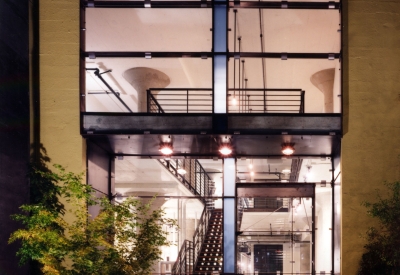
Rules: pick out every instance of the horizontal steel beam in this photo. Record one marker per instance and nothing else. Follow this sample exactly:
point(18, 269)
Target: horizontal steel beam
point(252, 190)
point(233, 124)
point(208, 4)
point(204, 55)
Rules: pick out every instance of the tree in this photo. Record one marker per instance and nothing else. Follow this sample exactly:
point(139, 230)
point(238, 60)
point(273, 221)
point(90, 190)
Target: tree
point(382, 251)
point(125, 238)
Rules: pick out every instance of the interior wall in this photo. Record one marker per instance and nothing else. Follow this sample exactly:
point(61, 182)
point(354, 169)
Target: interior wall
point(59, 83)
point(370, 151)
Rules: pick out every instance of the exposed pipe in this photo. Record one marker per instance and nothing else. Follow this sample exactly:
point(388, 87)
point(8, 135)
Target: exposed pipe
point(240, 93)
point(98, 74)
point(234, 59)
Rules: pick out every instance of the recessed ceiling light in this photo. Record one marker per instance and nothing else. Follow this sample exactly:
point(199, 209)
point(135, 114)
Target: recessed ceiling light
point(166, 149)
point(288, 149)
point(225, 150)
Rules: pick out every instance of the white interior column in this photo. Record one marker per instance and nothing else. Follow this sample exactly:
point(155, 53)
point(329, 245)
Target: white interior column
point(229, 217)
point(220, 30)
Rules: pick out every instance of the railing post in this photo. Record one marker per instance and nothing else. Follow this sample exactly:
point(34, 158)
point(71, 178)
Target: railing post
point(187, 101)
point(148, 102)
point(265, 102)
point(302, 102)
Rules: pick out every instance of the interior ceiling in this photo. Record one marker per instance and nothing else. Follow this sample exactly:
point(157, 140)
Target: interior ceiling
point(147, 30)
point(205, 146)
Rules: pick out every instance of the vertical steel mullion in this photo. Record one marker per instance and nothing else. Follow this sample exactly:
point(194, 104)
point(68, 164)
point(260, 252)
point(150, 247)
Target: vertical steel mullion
point(313, 234)
point(333, 218)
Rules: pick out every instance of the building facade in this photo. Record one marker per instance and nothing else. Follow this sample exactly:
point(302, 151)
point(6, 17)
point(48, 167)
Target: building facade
point(120, 80)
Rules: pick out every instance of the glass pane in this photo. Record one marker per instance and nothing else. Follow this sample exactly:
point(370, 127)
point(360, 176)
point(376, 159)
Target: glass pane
point(276, 236)
point(131, 77)
point(284, 169)
point(323, 232)
point(148, 29)
point(285, 30)
point(284, 81)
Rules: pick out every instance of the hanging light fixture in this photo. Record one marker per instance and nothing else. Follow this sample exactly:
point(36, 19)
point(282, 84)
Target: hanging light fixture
point(234, 101)
point(251, 164)
point(181, 170)
point(287, 149)
point(166, 149)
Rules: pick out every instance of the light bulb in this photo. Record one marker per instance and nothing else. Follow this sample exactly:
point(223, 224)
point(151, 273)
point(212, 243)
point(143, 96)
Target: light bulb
point(166, 150)
point(225, 150)
point(181, 171)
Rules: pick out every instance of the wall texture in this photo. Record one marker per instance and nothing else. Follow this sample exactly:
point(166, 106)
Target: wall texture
point(59, 83)
point(370, 148)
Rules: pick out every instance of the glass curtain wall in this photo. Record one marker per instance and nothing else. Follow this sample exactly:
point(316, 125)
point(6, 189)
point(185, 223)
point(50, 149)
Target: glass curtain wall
point(282, 229)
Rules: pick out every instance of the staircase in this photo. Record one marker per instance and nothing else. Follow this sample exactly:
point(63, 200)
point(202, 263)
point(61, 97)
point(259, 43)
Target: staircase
point(209, 260)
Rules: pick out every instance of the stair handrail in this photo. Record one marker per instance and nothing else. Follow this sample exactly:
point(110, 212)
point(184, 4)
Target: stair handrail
point(196, 179)
point(152, 101)
point(184, 261)
point(200, 234)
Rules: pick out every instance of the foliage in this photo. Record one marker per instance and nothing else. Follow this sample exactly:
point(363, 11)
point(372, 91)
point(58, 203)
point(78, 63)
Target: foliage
point(382, 251)
point(125, 238)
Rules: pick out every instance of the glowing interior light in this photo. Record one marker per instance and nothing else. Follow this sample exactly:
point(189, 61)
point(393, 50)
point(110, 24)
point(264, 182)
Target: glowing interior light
point(181, 171)
point(286, 171)
point(234, 101)
point(225, 150)
point(287, 149)
point(251, 166)
point(166, 150)
point(252, 173)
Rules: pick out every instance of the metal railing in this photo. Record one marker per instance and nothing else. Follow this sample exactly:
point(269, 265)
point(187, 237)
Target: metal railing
point(190, 250)
point(185, 100)
point(152, 104)
point(179, 100)
point(264, 204)
point(185, 262)
point(243, 203)
point(266, 101)
point(195, 179)
point(200, 234)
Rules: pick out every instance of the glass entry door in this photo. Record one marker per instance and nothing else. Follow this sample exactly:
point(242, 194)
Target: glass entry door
point(268, 259)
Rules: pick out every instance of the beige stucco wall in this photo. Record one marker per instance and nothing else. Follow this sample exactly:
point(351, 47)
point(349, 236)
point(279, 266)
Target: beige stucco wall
point(370, 148)
point(59, 83)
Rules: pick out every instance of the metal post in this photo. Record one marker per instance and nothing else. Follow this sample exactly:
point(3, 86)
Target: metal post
point(313, 234)
point(187, 101)
point(229, 215)
point(148, 102)
point(220, 31)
